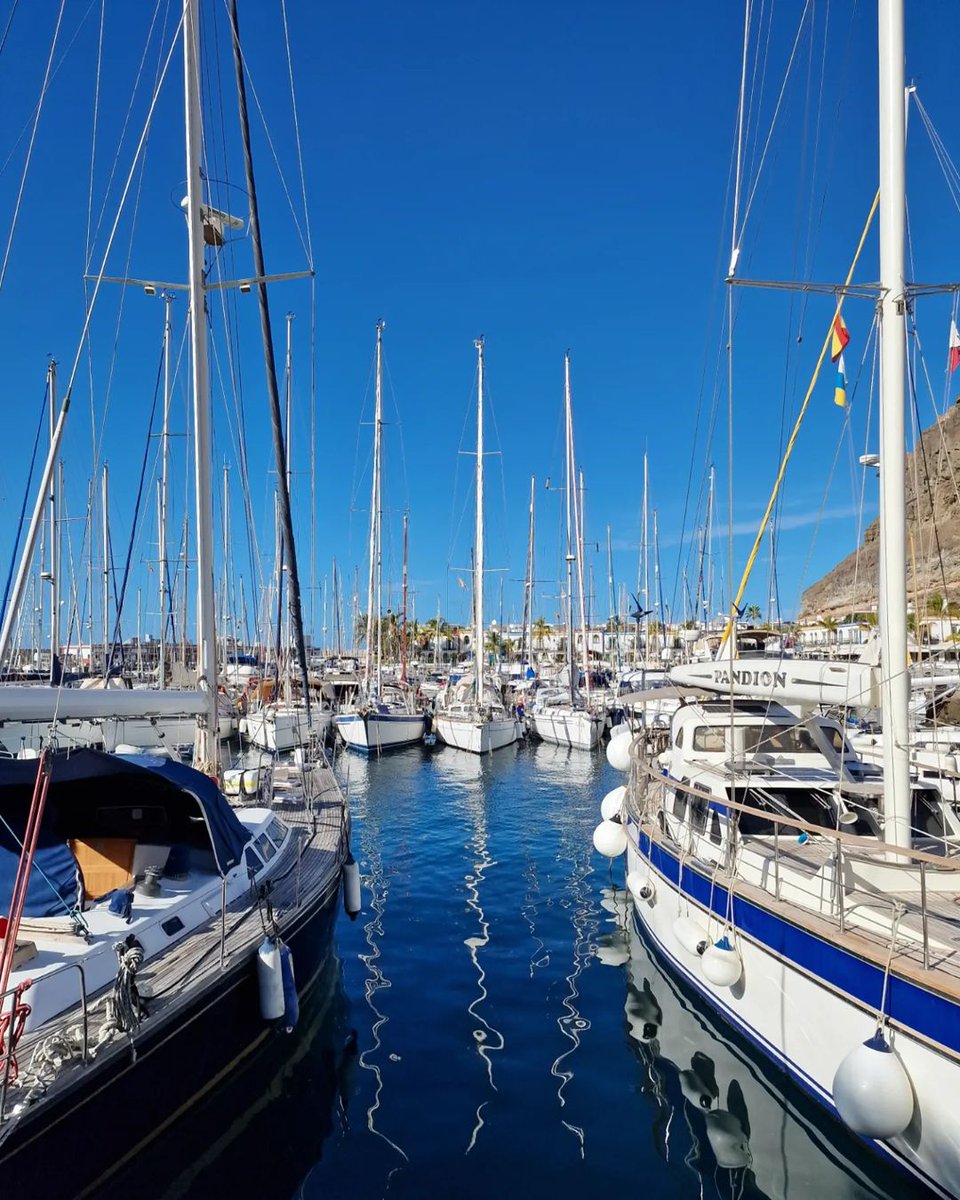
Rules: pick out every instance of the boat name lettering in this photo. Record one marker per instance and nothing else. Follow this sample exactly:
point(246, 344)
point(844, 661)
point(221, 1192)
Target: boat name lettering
point(751, 678)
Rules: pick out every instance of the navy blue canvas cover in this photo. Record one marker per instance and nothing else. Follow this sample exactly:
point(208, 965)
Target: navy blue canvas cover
point(91, 794)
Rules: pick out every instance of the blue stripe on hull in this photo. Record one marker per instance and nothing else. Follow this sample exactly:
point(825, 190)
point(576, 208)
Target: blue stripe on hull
point(912, 1006)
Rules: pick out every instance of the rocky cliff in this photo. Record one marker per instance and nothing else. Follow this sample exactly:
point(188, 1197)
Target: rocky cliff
point(933, 534)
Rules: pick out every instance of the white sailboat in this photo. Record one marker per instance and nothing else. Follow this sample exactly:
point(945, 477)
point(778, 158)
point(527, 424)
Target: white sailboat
point(381, 716)
point(289, 722)
point(471, 714)
point(786, 880)
point(562, 715)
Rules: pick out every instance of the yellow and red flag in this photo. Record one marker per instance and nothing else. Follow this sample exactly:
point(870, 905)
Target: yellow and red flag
point(840, 339)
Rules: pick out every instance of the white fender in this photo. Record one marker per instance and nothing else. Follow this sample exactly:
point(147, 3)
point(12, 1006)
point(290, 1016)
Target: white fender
point(610, 839)
point(270, 980)
point(872, 1090)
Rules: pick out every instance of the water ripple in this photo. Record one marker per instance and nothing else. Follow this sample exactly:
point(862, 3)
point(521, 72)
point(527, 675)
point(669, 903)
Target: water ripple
point(489, 1040)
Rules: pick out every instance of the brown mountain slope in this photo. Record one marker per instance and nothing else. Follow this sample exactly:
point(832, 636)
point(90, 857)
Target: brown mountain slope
point(933, 534)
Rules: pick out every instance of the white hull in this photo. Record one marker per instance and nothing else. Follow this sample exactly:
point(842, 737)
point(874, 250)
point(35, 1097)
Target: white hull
point(565, 726)
point(373, 732)
point(809, 1026)
point(284, 729)
point(108, 733)
point(713, 1090)
point(477, 735)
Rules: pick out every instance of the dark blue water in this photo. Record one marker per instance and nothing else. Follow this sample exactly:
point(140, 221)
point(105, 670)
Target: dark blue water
point(492, 1024)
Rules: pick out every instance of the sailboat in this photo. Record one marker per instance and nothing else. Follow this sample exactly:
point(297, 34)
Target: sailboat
point(778, 874)
point(470, 713)
point(127, 875)
point(562, 715)
point(382, 715)
point(286, 722)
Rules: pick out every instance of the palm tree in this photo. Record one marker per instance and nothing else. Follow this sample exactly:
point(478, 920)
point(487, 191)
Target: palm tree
point(753, 612)
point(540, 630)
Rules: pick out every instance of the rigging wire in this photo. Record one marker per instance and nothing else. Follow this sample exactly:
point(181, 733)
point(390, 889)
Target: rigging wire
point(33, 138)
point(6, 28)
point(121, 593)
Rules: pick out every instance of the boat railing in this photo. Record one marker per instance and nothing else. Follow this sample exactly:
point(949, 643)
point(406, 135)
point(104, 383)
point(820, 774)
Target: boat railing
point(9, 1048)
point(645, 796)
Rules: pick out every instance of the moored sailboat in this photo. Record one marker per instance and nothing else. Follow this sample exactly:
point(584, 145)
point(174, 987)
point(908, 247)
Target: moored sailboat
point(564, 716)
point(471, 714)
point(381, 716)
point(780, 875)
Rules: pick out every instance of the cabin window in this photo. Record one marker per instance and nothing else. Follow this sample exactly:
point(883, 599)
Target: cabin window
point(708, 739)
point(715, 835)
point(679, 804)
point(266, 847)
point(778, 739)
point(699, 805)
point(678, 740)
point(927, 817)
point(252, 859)
point(171, 926)
point(835, 737)
point(277, 831)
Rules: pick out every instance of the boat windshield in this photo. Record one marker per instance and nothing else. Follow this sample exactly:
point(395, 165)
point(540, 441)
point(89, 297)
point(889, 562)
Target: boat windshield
point(764, 738)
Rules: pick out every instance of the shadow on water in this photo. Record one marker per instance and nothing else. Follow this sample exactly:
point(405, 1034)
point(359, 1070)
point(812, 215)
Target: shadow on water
point(261, 1131)
point(724, 1112)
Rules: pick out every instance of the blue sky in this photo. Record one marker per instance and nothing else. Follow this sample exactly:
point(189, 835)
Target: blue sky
point(552, 176)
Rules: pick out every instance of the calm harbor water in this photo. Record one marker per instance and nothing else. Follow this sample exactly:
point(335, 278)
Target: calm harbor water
point(491, 1021)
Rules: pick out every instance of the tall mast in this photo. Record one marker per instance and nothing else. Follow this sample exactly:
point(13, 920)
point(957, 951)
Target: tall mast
point(526, 633)
point(708, 586)
point(478, 561)
point(164, 490)
point(436, 645)
point(403, 627)
point(373, 577)
point(288, 454)
point(657, 597)
point(578, 513)
point(270, 368)
point(288, 382)
point(105, 547)
point(54, 534)
point(893, 542)
point(569, 492)
point(206, 752)
point(646, 566)
point(225, 613)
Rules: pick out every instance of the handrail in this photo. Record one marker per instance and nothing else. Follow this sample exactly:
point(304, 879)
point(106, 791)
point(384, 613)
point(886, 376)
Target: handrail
point(868, 845)
point(8, 1055)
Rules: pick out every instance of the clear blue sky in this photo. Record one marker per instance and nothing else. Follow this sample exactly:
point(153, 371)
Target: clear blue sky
point(550, 175)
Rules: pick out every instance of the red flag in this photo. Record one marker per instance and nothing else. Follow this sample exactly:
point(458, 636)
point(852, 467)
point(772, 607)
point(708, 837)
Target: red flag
point(841, 338)
point(954, 347)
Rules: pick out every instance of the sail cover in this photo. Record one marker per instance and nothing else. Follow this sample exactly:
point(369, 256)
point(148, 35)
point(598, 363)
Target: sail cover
point(93, 794)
